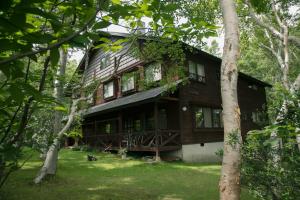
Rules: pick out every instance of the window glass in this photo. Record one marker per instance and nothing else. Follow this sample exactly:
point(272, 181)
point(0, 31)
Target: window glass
point(199, 118)
point(128, 82)
point(104, 61)
point(196, 71)
point(208, 118)
point(257, 117)
point(217, 118)
point(137, 125)
point(153, 72)
point(162, 118)
point(106, 127)
point(109, 89)
point(150, 121)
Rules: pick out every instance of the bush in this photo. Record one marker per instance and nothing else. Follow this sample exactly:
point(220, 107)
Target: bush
point(270, 172)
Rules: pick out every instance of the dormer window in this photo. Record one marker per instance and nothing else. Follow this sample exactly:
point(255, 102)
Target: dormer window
point(104, 61)
point(108, 90)
point(196, 71)
point(153, 72)
point(128, 82)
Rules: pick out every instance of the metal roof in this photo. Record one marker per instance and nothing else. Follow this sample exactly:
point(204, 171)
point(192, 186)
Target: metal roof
point(140, 97)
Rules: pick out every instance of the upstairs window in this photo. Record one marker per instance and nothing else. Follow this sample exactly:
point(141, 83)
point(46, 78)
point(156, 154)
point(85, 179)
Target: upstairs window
point(128, 82)
point(108, 89)
point(208, 118)
point(196, 71)
point(104, 62)
point(153, 73)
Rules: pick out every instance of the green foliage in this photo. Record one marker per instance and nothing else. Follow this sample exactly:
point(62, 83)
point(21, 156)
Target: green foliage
point(234, 138)
point(265, 178)
point(220, 153)
point(162, 50)
point(75, 129)
point(171, 57)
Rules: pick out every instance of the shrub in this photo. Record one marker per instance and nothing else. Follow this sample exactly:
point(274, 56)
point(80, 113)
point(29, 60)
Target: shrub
point(270, 172)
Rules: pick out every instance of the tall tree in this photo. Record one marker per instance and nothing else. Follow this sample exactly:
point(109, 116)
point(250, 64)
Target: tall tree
point(230, 175)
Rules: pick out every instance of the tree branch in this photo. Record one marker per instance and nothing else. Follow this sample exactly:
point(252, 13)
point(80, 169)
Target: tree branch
point(25, 113)
point(51, 46)
point(279, 21)
point(269, 27)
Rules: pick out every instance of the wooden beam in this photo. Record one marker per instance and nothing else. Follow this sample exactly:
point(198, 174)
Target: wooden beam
point(170, 98)
point(120, 127)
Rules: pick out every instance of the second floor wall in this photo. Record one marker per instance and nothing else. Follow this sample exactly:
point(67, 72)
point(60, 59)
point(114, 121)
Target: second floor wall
point(134, 75)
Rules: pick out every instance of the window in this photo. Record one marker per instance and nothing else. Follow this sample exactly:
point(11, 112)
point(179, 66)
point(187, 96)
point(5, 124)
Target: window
point(253, 86)
point(257, 117)
point(208, 117)
point(128, 82)
point(150, 121)
point(104, 62)
point(137, 126)
point(196, 71)
point(153, 72)
point(108, 90)
point(199, 118)
point(217, 118)
point(106, 127)
point(162, 118)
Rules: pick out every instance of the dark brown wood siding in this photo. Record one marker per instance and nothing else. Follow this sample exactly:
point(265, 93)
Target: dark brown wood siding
point(193, 94)
point(208, 94)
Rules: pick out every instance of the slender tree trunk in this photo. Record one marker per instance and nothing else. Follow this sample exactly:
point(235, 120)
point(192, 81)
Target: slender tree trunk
point(51, 154)
point(58, 88)
point(49, 166)
point(230, 175)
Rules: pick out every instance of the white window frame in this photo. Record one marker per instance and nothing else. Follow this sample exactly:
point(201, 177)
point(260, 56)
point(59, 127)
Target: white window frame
point(111, 92)
point(155, 70)
point(104, 61)
point(130, 82)
point(196, 71)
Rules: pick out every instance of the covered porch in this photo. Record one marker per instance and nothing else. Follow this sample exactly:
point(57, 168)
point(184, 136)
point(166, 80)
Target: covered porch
point(150, 122)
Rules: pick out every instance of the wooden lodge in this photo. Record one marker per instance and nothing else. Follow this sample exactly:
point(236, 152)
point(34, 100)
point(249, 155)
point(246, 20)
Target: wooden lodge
point(185, 121)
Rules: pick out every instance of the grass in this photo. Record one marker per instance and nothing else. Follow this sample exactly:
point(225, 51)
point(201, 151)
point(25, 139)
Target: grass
point(111, 178)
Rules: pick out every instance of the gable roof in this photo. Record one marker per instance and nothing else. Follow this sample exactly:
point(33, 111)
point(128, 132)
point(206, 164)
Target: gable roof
point(210, 56)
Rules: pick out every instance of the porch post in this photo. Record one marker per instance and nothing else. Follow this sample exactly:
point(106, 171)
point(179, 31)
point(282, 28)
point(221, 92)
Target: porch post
point(157, 154)
point(120, 128)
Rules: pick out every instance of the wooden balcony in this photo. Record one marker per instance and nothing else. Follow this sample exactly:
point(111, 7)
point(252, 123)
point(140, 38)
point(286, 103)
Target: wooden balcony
point(160, 140)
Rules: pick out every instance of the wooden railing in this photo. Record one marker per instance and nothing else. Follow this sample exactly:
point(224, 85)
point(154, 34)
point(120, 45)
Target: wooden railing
point(146, 139)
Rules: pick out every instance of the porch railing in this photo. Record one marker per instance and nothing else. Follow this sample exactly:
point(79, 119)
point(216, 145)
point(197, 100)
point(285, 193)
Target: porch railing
point(146, 139)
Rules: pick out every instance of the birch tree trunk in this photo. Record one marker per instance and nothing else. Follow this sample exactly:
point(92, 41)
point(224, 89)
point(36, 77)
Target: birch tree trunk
point(49, 166)
point(230, 175)
point(58, 88)
point(51, 154)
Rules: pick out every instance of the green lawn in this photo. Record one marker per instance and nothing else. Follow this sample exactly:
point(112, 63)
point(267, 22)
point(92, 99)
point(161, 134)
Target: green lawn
point(113, 178)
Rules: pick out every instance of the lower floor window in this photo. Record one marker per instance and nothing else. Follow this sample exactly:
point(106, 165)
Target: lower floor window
point(106, 127)
point(206, 117)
